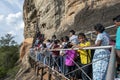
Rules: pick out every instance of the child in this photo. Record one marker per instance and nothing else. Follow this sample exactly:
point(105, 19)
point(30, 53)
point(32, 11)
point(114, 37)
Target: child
point(85, 55)
point(69, 60)
point(64, 41)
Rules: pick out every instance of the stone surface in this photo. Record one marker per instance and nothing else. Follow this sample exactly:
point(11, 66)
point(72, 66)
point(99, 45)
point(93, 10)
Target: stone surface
point(59, 16)
point(24, 60)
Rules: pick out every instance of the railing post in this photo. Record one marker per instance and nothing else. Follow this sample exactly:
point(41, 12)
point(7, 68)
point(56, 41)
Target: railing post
point(37, 70)
point(50, 71)
point(41, 78)
point(111, 67)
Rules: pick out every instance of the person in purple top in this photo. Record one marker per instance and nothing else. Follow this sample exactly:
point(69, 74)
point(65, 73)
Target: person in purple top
point(69, 60)
point(70, 55)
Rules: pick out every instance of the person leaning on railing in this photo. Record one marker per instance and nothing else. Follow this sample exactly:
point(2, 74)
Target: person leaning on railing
point(85, 55)
point(100, 67)
point(69, 61)
point(55, 55)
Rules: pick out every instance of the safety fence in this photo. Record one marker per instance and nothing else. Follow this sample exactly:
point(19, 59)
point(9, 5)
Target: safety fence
point(91, 34)
point(44, 61)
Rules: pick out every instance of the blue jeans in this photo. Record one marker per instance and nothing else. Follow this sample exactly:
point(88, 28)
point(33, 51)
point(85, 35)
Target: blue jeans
point(38, 56)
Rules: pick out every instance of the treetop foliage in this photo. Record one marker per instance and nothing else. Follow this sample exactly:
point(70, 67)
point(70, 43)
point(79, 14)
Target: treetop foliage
point(7, 40)
point(9, 55)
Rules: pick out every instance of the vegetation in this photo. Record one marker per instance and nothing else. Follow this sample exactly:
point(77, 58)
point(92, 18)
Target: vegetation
point(9, 54)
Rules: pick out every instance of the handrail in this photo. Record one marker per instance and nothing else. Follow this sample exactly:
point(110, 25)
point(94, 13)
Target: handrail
point(97, 47)
point(51, 69)
point(112, 26)
point(92, 32)
point(111, 67)
point(110, 72)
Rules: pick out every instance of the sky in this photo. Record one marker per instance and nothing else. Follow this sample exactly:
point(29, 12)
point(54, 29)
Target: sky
point(11, 18)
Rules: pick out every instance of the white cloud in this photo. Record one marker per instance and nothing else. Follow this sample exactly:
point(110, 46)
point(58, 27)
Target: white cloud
point(12, 33)
point(1, 17)
point(12, 24)
point(13, 18)
point(19, 26)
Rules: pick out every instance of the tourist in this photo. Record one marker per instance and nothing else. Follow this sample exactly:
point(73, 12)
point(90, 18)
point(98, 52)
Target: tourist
point(100, 67)
point(85, 55)
point(55, 55)
point(69, 61)
point(117, 44)
point(73, 38)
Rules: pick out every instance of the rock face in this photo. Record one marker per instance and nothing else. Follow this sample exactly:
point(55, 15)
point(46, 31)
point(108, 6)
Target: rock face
point(24, 58)
point(59, 16)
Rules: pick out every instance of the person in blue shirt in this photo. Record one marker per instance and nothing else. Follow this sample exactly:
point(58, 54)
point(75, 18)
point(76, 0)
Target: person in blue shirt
point(99, 67)
point(116, 21)
point(117, 24)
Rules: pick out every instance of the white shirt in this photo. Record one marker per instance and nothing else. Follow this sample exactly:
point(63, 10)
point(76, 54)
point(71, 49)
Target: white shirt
point(74, 39)
point(48, 44)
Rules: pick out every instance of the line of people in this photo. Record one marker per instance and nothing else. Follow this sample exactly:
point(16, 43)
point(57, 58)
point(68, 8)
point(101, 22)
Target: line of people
point(67, 61)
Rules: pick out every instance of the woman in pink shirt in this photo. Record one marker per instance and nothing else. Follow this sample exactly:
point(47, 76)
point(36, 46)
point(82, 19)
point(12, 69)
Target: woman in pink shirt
point(69, 60)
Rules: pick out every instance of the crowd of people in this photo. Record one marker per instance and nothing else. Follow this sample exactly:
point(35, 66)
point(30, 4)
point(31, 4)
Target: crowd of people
point(66, 61)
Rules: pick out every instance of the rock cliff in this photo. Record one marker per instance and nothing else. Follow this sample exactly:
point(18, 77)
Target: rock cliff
point(59, 16)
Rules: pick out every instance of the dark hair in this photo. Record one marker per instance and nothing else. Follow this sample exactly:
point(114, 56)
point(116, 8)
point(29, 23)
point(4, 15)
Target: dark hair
point(99, 27)
point(66, 38)
point(61, 39)
point(72, 31)
point(38, 34)
point(54, 36)
point(48, 40)
point(56, 42)
point(117, 18)
point(69, 45)
point(44, 45)
point(40, 42)
point(82, 35)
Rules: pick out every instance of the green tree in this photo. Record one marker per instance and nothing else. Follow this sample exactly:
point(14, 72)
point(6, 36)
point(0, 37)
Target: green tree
point(7, 40)
point(9, 54)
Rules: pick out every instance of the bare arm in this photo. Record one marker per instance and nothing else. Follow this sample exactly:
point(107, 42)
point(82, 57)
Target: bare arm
point(98, 43)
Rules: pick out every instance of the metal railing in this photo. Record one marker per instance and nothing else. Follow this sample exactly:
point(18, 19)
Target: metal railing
point(91, 33)
point(110, 70)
